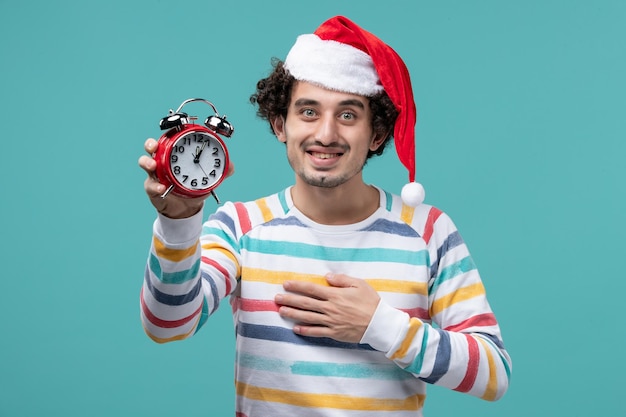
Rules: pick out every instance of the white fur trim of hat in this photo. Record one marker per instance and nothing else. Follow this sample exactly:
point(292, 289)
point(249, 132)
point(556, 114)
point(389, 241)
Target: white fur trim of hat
point(333, 65)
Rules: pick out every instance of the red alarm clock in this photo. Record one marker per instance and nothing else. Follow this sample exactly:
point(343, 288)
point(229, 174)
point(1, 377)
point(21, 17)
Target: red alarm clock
point(192, 160)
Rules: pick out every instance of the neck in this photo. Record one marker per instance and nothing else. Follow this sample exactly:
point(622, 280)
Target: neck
point(345, 204)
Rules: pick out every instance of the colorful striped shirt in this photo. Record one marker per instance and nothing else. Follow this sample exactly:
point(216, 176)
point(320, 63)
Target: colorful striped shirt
point(433, 324)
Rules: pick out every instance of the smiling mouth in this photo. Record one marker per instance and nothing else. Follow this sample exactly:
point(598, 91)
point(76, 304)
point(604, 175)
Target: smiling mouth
point(321, 155)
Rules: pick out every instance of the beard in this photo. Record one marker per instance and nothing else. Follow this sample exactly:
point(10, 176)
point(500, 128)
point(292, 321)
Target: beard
point(324, 181)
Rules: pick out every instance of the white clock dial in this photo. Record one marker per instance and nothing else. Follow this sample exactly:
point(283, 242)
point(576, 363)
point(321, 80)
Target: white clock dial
point(197, 160)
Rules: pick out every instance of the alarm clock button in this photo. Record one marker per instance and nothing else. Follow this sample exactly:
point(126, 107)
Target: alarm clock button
point(219, 125)
point(173, 120)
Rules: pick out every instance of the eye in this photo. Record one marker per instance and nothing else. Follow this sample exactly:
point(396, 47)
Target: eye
point(347, 116)
point(308, 112)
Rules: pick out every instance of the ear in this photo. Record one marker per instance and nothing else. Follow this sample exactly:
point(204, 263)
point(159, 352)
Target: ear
point(377, 140)
point(278, 126)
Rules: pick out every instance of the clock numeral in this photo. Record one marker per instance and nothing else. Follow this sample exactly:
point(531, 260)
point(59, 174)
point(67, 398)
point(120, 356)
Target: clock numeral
point(216, 151)
point(194, 182)
point(205, 181)
point(179, 149)
point(185, 178)
point(176, 170)
point(174, 158)
point(212, 173)
point(218, 163)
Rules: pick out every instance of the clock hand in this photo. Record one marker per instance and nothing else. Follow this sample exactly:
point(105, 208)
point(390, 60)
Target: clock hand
point(205, 174)
point(217, 199)
point(196, 158)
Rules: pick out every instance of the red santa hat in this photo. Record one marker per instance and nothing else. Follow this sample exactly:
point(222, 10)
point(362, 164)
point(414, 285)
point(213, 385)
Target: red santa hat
point(342, 56)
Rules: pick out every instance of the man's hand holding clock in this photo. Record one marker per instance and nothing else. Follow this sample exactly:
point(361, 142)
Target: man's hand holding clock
point(173, 206)
point(179, 180)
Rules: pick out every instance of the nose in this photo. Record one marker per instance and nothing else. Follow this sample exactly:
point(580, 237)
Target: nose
point(326, 130)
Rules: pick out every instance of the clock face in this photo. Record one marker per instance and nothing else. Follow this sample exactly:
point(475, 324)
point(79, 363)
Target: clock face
point(197, 161)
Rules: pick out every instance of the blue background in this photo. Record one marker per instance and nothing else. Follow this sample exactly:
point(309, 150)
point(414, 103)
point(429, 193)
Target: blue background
point(520, 138)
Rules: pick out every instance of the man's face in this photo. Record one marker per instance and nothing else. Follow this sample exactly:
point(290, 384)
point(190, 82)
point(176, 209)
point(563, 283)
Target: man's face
point(328, 135)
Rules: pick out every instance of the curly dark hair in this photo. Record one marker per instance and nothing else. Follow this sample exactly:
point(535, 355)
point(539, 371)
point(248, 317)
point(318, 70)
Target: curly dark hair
point(273, 95)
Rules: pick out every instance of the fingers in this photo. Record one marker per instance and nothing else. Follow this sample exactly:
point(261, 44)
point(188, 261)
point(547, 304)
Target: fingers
point(150, 145)
point(147, 163)
point(340, 280)
point(231, 169)
point(318, 291)
point(151, 185)
point(341, 310)
point(299, 302)
point(308, 289)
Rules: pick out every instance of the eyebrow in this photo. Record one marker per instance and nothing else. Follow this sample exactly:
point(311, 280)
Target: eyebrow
point(310, 102)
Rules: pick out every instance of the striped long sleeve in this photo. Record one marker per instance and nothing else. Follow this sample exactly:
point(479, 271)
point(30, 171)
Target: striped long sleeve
point(456, 342)
point(182, 287)
point(433, 324)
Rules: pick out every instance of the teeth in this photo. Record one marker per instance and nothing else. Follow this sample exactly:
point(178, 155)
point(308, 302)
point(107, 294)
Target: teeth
point(324, 155)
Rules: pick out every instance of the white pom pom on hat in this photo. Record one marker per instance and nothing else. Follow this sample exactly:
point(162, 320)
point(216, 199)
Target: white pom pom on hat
point(413, 194)
point(342, 56)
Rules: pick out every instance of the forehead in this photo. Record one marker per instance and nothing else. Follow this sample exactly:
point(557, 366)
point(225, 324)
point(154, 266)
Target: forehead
point(310, 93)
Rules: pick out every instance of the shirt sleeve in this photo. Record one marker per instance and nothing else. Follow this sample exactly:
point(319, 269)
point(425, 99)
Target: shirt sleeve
point(191, 267)
point(461, 348)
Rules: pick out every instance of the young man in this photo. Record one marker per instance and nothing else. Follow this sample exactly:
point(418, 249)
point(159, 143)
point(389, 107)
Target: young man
point(347, 300)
